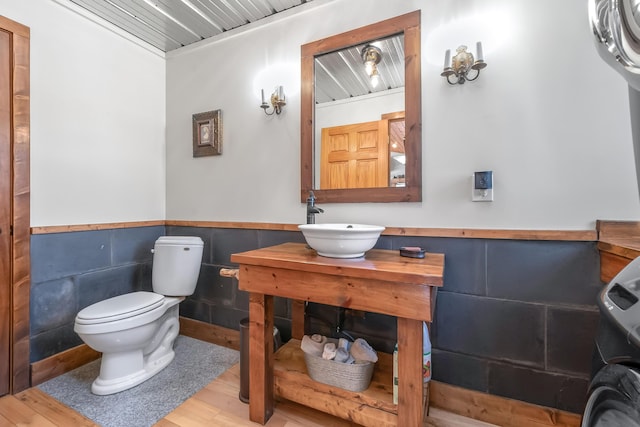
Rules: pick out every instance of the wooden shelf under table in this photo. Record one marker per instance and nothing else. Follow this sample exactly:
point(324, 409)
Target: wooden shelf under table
point(373, 406)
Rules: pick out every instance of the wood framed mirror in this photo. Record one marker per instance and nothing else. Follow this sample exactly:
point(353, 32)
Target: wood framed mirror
point(408, 26)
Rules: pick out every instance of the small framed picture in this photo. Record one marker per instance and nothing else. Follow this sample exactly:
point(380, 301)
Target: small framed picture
point(207, 133)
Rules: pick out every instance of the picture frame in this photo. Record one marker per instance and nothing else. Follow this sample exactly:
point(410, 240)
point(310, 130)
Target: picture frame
point(207, 133)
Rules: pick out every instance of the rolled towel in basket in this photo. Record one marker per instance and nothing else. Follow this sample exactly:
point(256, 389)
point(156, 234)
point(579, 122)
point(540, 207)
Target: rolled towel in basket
point(329, 351)
point(362, 351)
point(343, 356)
point(313, 344)
point(344, 343)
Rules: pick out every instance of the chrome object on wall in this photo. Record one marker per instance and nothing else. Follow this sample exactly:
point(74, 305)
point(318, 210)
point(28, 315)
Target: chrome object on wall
point(616, 27)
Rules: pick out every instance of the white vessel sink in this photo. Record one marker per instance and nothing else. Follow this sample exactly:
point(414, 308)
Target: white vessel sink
point(341, 240)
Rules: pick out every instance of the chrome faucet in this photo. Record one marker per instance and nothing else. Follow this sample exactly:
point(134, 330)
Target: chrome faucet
point(312, 209)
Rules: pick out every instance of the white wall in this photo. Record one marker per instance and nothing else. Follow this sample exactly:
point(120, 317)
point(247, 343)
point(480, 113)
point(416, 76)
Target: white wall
point(548, 116)
point(97, 119)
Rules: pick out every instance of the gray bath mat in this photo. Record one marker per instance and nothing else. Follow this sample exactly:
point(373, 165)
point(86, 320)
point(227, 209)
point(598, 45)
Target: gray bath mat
point(196, 364)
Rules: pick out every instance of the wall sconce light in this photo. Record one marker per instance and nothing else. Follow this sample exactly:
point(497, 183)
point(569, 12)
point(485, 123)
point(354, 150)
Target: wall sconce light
point(462, 64)
point(371, 56)
point(277, 101)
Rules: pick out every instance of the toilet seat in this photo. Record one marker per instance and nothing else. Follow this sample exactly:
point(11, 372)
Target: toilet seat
point(119, 307)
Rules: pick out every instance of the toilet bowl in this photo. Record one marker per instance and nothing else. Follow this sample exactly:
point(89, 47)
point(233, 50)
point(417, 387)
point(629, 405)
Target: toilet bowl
point(135, 332)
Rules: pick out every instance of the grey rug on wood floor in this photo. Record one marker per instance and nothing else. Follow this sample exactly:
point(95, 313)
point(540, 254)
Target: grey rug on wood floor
point(195, 365)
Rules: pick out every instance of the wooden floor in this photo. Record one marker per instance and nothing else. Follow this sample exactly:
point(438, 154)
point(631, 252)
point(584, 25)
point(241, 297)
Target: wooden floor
point(215, 405)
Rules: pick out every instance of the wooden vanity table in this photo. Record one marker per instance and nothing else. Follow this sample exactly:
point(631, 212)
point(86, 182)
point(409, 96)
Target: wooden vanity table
point(381, 282)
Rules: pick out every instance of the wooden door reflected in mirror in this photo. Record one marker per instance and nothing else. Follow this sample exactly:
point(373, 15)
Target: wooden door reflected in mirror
point(364, 160)
point(355, 156)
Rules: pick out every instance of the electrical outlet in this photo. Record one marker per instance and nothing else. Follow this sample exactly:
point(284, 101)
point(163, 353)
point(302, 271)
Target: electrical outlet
point(482, 186)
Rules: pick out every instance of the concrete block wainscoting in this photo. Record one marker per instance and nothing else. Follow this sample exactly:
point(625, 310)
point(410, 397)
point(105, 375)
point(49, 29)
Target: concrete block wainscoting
point(72, 270)
point(515, 318)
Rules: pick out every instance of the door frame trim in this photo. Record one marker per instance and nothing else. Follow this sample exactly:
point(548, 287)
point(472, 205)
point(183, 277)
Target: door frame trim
point(20, 210)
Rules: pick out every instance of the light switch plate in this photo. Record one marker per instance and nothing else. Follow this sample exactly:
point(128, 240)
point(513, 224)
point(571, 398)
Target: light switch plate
point(482, 186)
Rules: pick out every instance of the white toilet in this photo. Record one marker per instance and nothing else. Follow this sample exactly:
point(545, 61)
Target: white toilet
point(135, 332)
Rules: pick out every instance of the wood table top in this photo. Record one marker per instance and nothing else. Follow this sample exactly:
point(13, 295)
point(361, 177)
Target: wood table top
point(380, 264)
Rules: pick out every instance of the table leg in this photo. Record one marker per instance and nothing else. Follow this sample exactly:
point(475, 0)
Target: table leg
point(261, 390)
point(410, 382)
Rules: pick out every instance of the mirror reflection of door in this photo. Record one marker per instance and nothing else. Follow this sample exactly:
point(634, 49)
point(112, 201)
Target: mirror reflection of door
point(346, 97)
point(355, 156)
point(364, 155)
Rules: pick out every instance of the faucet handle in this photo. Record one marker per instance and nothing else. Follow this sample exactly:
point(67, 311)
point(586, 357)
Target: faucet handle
point(312, 198)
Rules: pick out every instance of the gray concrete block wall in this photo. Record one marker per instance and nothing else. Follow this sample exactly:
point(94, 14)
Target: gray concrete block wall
point(70, 271)
point(217, 299)
point(530, 313)
point(514, 318)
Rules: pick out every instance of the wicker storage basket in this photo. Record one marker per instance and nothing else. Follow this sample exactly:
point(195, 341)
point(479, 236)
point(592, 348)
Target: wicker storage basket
point(352, 377)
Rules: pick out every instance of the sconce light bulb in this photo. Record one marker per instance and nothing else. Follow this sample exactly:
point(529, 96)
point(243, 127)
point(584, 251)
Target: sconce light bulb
point(447, 59)
point(479, 53)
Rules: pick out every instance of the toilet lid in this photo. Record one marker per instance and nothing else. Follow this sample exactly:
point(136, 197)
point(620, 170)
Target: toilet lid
point(120, 307)
point(179, 240)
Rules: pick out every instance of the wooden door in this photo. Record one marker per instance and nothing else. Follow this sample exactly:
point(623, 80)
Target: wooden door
point(15, 232)
point(5, 211)
point(355, 156)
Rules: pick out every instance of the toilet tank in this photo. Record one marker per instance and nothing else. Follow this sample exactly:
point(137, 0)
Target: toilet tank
point(176, 265)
